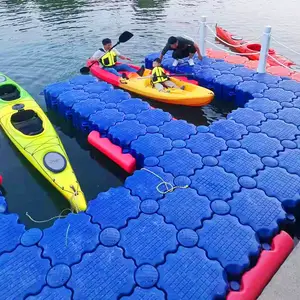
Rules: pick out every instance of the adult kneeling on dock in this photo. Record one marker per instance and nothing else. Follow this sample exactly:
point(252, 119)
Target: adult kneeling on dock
point(182, 48)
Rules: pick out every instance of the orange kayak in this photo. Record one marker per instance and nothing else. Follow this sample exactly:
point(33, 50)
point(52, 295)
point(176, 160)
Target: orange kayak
point(243, 46)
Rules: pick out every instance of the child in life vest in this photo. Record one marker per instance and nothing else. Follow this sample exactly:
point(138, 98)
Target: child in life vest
point(160, 79)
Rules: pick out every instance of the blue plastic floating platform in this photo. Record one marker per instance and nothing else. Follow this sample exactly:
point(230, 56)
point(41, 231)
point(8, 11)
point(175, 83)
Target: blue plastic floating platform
point(191, 219)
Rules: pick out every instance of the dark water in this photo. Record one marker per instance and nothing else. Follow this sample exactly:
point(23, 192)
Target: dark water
point(45, 41)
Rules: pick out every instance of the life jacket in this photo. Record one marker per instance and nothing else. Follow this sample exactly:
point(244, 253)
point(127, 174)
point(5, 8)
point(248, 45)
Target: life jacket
point(109, 59)
point(159, 75)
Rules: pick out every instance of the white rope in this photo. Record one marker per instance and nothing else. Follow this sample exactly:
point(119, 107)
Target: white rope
point(169, 186)
point(231, 52)
point(188, 37)
point(206, 23)
point(67, 233)
point(60, 216)
point(287, 47)
point(226, 43)
point(280, 63)
point(48, 220)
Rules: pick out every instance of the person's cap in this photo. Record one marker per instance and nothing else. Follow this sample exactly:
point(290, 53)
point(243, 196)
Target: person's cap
point(158, 60)
point(172, 40)
point(106, 41)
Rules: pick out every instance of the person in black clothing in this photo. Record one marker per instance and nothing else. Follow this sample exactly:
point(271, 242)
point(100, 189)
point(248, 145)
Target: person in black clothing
point(182, 48)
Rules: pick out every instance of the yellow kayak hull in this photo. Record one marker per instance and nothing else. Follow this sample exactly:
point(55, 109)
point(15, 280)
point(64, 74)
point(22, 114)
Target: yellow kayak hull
point(191, 95)
point(43, 150)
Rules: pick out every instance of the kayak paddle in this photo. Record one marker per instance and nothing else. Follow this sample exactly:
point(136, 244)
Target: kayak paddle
point(123, 38)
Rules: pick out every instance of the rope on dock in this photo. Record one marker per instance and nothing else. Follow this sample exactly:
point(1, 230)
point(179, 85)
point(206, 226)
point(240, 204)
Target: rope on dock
point(285, 46)
point(169, 186)
point(280, 63)
point(51, 219)
point(60, 216)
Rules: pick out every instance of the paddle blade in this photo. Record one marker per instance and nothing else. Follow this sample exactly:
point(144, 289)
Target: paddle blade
point(85, 70)
point(125, 36)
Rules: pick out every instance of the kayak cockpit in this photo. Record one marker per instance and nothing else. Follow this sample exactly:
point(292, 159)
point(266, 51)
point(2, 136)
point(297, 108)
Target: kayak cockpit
point(27, 122)
point(9, 92)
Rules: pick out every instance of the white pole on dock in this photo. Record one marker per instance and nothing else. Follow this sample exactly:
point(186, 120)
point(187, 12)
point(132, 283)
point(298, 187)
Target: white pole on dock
point(265, 45)
point(203, 30)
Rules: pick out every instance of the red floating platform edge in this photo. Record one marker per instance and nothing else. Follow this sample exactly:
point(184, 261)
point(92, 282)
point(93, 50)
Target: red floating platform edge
point(256, 279)
point(112, 151)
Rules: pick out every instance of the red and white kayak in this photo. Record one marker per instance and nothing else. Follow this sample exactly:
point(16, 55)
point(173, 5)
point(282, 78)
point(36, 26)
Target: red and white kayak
point(243, 46)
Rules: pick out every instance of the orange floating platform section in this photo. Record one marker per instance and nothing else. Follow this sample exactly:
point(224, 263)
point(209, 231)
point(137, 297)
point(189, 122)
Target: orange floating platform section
point(235, 59)
point(112, 151)
point(279, 71)
point(255, 280)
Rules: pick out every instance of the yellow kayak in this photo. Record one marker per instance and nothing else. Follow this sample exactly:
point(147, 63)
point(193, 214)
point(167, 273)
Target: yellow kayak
point(30, 130)
point(191, 95)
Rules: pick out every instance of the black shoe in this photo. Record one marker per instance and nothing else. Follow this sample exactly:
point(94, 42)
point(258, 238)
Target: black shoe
point(124, 76)
point(141, 71)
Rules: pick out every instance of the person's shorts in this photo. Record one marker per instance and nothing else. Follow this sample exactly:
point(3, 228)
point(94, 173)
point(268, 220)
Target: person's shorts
point(182, 53)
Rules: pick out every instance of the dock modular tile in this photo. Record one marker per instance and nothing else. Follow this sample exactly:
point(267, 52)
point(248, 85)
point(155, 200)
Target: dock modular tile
point(150, 145)
point(289, 159)
point(114, 208)
point(201, 278)
point(149, 185)
point(180, 162)
point(228, 129)
point(206, 144)
point(240, 162)
point(104, 119)
point(114, 96)
point(22, 272)
point(125, 132)
point(214, 183)
point(254, 208)
point(133, 106)
point(10, 232)
point(145, 294)
point(225, 239)
point(279, 129)
point(177, 130)
point(68, 239)
point(153, 117)
point(247, 116)
point(111, 275)
point(290, 115)
point(261, 144)
point(280, 95)
point(148, 239)
point(264, 105)
point(277, 182)
point(49, 293)
point(185, 208)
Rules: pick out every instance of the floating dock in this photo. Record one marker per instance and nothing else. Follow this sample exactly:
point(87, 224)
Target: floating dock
point(202, 217)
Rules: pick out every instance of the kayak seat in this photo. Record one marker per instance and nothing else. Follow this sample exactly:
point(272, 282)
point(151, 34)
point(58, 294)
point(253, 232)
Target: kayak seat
point(27, 122)
point(9, 92)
